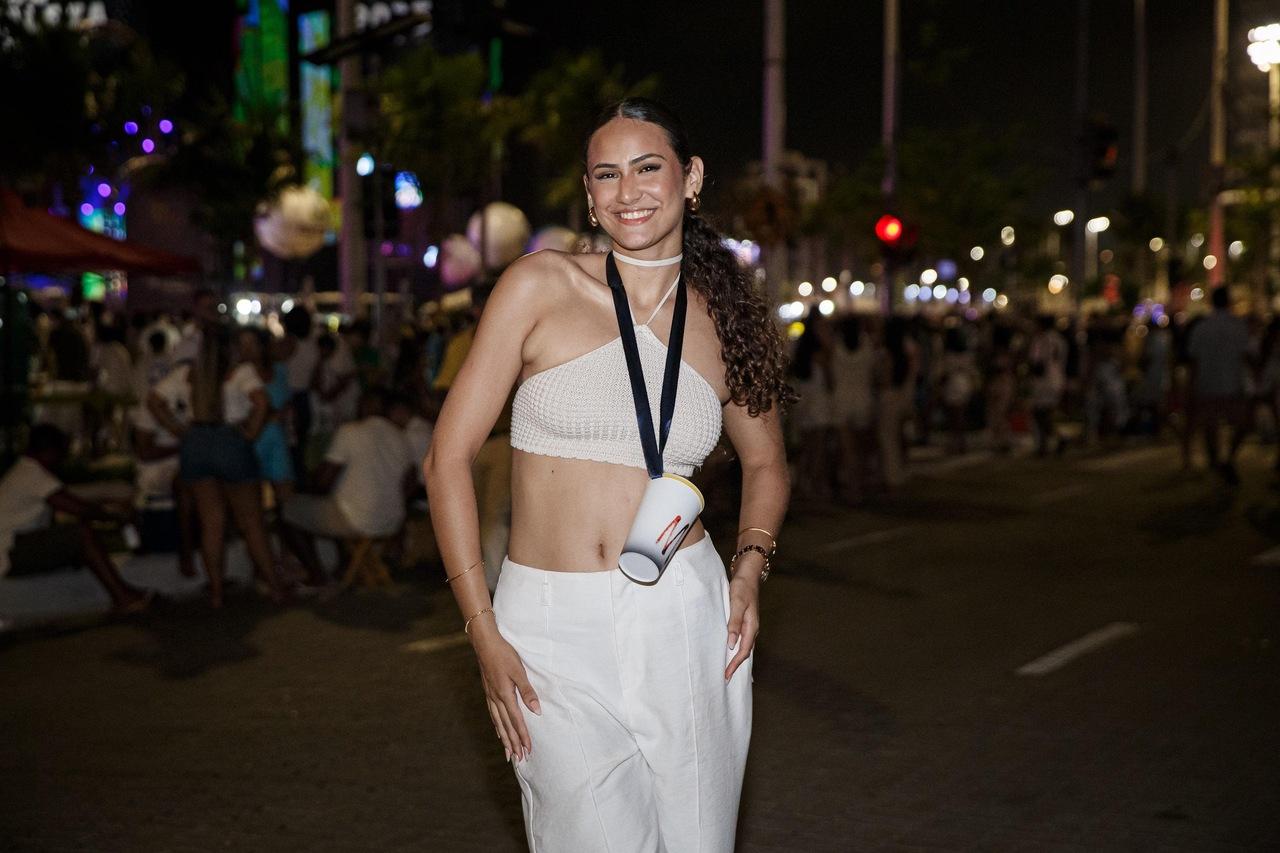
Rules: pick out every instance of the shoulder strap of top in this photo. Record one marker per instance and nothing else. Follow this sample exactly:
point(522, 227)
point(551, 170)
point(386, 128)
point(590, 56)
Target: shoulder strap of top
point(662, 301)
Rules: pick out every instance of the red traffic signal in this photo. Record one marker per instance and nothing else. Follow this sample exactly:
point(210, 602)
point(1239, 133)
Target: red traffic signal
point(889, 229)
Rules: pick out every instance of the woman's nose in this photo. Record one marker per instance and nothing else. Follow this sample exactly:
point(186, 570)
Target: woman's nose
point(628, 189)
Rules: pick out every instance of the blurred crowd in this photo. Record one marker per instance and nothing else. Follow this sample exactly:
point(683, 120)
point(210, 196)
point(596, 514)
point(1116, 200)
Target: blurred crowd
point(871, 388)
point(298, 428)
point(289, 430)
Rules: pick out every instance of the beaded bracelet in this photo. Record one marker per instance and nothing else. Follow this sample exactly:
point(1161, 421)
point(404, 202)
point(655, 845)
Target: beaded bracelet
point(466, 626)
point(759, 549)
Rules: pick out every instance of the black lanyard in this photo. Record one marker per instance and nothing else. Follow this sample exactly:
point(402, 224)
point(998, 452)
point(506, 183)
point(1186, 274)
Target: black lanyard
point(670, 376)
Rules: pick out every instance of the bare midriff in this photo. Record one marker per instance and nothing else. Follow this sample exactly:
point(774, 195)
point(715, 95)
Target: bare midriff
point(573, 515)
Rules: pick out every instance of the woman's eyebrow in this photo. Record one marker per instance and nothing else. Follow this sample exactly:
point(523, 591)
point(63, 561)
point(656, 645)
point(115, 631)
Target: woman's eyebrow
point(633, 161)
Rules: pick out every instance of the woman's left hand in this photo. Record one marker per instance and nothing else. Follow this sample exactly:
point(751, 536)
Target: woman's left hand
point(744, 615)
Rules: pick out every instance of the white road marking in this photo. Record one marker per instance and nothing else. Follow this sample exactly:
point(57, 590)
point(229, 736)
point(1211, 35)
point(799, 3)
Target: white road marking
point(873, 538)
point(1073, 490)
point(1060, 657)
point(1123, 459)
point(1269, 557)
point(436, 644)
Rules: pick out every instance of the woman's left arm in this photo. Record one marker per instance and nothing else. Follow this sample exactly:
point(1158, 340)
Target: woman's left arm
point(766, 489)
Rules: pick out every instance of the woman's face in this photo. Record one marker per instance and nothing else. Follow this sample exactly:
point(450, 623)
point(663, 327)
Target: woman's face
point(637, 186)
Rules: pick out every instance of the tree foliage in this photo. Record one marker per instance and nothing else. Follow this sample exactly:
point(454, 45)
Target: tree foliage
point(557, 111)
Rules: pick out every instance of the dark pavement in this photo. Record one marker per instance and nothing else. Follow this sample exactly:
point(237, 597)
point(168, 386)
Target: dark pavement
point(889, 711)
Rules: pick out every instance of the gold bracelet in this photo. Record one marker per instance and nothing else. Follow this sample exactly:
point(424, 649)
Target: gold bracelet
point(466, 626)
point(773, 543)
point(463, 572)
point(764, 573)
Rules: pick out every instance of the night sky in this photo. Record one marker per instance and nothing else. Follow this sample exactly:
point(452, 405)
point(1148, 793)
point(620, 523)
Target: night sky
point(1011, 70)
point(1015, 68)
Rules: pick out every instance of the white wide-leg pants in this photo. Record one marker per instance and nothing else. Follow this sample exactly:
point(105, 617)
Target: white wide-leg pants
point(641, 744)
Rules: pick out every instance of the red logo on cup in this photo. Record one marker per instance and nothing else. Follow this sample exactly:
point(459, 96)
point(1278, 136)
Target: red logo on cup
point(673, 533)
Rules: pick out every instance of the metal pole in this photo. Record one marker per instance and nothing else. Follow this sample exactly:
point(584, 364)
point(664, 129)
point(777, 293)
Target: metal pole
point(379, 257)
point(889, 136)
point(1273, 138)
point(1078, 233)
point(1218, 142)
point(1140, 265)
point(352, 251)
point(1139, 97)
point(775, 129)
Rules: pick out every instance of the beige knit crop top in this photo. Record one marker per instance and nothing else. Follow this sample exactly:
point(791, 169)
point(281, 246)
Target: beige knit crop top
point(582, 409)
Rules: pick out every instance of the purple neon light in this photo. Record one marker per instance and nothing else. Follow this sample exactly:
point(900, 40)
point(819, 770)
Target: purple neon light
point(119, 208)
point(104, 189)
point(148, 146)
point(166, 126)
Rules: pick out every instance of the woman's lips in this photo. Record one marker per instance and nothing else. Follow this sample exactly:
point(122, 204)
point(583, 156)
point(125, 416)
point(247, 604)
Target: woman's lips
point(629, 217)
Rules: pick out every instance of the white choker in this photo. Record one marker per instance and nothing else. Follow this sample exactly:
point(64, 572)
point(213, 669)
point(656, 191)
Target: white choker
point(638, 262)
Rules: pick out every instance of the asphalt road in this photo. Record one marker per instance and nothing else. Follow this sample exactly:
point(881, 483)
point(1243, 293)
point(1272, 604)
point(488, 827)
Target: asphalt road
point(1071, 654)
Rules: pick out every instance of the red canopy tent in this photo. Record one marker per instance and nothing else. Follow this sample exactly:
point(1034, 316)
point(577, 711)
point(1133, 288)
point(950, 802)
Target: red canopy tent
point(36, 241)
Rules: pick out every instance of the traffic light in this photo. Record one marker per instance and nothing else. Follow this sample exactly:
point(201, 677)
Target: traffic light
point(889, 230)
point(1101, 149)
point(897, 238)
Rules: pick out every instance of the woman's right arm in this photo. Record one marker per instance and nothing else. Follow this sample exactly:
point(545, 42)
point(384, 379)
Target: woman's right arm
point(474, 403)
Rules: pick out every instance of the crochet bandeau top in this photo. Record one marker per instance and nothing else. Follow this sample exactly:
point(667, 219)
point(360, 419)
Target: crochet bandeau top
point(582, 409)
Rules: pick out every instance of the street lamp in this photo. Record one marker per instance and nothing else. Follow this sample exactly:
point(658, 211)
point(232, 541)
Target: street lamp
point(1264, 50)
point(1092, 229)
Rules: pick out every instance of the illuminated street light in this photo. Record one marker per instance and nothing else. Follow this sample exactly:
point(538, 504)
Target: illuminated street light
point(928, 276)
point(1264, 50)
point(805, 288)
point(976, 253)
point(1235, 250)
point(1264, 46)
point(829, 284)
point(1064, 217)
point(827, 307)
point(1057, 283)
point(1007, 235)
point(365, 164)
point(1209, 262)
point(1092, 229)
point(1156, 244)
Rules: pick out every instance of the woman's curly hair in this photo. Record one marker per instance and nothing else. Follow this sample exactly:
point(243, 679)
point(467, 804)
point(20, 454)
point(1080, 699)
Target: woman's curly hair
point(750, 343)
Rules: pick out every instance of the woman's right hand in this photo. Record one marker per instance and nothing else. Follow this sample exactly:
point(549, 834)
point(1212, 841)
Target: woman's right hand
point(503, 675)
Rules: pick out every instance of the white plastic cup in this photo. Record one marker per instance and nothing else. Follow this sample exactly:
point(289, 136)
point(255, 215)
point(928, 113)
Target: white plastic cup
point(670, 506)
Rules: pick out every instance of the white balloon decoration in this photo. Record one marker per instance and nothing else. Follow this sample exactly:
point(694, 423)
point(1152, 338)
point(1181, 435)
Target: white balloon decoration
point(459, 261)
point(553, 237)
point(293, 225)
point(505, 233)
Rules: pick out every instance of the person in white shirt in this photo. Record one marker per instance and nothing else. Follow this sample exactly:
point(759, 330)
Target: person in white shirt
point(360, 487)
point(216, 459)
point(301, 354)
point(30, 541)
point(336, 386)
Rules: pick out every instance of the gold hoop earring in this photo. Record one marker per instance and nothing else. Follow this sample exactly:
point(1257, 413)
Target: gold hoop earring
point(692, 204)
point(591, 217)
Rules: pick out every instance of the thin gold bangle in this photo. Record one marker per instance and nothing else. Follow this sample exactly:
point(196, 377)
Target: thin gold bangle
point(772, 540)
point(463, 572)
point(466, 626)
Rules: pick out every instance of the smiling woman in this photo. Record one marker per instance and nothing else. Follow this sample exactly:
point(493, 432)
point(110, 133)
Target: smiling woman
point(640, 705)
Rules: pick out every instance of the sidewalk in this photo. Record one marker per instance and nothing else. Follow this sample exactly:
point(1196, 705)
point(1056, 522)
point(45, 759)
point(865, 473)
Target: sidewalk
point(75, 594)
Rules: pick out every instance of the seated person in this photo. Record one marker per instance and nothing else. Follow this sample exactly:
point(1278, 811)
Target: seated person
point(30, 541)
point(359, 490)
